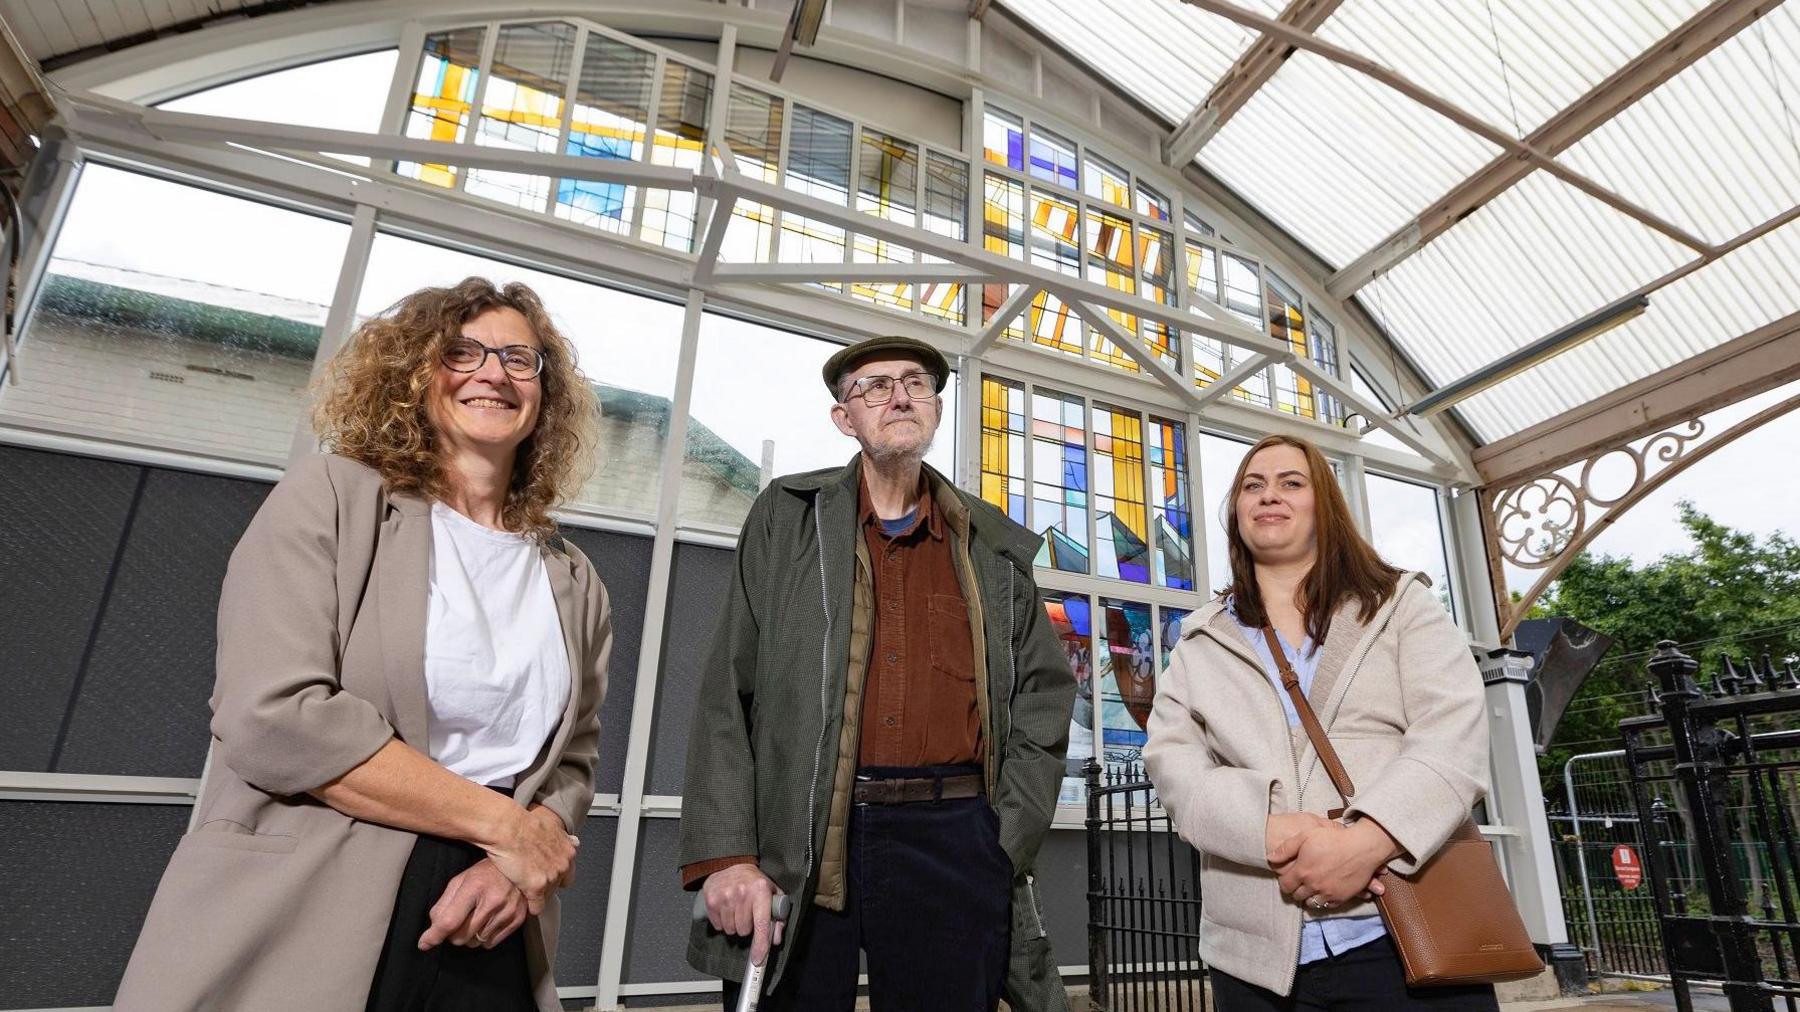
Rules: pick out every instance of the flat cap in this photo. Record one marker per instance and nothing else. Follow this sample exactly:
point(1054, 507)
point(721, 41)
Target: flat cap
point(848, 358)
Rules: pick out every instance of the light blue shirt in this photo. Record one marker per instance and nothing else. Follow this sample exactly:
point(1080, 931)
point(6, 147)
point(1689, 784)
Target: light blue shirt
point(1319, 939)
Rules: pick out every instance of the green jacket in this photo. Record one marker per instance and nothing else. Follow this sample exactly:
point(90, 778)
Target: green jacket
point(771, 754)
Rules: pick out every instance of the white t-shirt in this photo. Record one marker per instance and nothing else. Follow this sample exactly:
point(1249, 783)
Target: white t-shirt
point(496, 668)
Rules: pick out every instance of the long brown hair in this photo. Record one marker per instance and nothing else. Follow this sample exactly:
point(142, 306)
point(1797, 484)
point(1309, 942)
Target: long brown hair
point(1346, 565)
point(373, 393)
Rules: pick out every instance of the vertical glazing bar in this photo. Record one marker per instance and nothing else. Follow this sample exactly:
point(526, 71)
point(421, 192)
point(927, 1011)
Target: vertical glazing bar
point(1096, 928)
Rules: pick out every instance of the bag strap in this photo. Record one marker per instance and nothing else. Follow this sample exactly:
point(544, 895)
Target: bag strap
point(1340, 778)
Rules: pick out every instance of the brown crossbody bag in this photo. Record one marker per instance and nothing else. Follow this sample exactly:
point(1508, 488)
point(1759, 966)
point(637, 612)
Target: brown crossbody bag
point(1453, 921)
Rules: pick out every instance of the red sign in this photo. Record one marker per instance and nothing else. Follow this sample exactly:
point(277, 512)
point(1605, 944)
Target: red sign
point(1627, 867)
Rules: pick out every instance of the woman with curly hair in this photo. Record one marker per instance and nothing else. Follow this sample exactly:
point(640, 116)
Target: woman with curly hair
point(409, 673)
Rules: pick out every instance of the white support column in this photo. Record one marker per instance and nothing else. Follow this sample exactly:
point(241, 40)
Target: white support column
point(643, 700)
point(1516, 800)
point(968, 429)
point(1356, 490)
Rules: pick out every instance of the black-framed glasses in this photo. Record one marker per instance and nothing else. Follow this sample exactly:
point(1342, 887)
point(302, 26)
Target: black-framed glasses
point(521, 361)
point(878, 390)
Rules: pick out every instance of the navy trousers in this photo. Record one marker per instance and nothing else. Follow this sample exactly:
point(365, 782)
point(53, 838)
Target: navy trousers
point(929, 907)
point(1367, 978)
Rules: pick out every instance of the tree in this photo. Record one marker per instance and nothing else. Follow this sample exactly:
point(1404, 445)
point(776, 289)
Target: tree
point(1730, 594)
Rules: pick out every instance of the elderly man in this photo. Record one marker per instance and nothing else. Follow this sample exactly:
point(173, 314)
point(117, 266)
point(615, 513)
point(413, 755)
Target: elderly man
point(881, 727)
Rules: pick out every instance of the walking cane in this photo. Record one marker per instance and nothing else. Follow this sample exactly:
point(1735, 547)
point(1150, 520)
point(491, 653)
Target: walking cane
point(751, 996)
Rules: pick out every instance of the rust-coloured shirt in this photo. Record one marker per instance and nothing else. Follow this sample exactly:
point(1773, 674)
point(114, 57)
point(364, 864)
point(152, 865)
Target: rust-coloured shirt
point(918, 701)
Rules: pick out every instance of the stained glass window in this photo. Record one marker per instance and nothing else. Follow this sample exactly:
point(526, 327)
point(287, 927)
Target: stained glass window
point(1054, 244)
point(818, 166)
point(1324, 354)
point(1171, 505)
point(1196, 225)
point(1156, 274)
point(1203, 286)
point(1003, 138)
point(946, 214)
point(1243, 299)
point(1003, 446)
point(523, 106)
point(1112, 261)
point(1105, 181)
point(1127, 673)
point(1152, 203)
point(753, 132)
point(679, 141)
point(443, 98)
point(612, 107)
point(1287, 324)
point(1122, 541)
point(887, 188)
point(1003, 232)
point(1071, 618)
point(1059, 478)
point(1053, 159)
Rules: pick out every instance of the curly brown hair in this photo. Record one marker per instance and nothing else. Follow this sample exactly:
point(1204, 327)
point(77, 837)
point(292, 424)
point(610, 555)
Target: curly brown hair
point(371, 401)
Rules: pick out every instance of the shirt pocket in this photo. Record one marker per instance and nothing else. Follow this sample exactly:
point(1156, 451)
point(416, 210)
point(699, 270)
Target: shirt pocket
point(952, 648)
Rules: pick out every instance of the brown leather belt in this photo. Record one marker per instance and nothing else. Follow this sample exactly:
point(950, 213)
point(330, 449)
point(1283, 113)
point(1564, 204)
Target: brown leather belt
point(912, 789)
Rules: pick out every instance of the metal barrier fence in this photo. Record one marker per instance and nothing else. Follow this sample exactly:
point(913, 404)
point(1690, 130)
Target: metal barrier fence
point(1143, 900)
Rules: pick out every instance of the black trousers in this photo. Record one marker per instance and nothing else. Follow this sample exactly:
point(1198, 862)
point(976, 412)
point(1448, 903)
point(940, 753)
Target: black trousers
point(449, 978)
point(1367, 977)
point(929, 906)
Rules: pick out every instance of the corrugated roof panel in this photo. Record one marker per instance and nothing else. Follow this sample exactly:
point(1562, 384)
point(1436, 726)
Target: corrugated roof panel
point(1535, 259)
point(1717, 148)
point(1735, 295)
point(1166, 53)
point(1337, 159)
point(1552, 51)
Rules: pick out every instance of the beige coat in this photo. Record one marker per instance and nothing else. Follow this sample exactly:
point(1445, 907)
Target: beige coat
point(277, 901)
point(1401, 700)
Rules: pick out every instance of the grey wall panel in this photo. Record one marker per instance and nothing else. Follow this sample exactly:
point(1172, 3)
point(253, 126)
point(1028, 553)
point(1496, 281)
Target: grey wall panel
point(656, 946)
point(142, 708)
point(77, 877)
point(60, 522)
point(584, 905)
point(1062, 890)
point(623, 562)
point(697, 586)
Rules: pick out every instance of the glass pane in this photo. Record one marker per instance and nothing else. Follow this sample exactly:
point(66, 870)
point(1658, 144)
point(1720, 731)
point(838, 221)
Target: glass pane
point(1127, 680)
point(1071, 618)
point(1407, 530)
point(176, 318)
point(1173, 510)
point(1106, 181)
point(680, 138)
point(341, 94)
point(1243, 299)
point(1003, 232)
point(1112, 261)
point(1152, 203)
point(1053, 159)
point(523, 106)
point(946, 214)
point(612, 109)
point(1003, 137)
point(1294, 393)
point(1122, 547)
point(1003, 446)
point(1219, 460)
point(1059, 478)
point(1324, 355)
point(753, 130)
point(1203, 286)
point(1376, 437)
point(1156, 267)
point(626, 345)
point(818, 166)
point(1196, 225)
point(1054, 244)
point(757, 398)
point(887, 187)
point(443, 98)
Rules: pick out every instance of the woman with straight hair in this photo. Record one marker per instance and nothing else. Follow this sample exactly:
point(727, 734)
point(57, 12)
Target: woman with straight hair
point(409, 674)
point(1287, 920)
